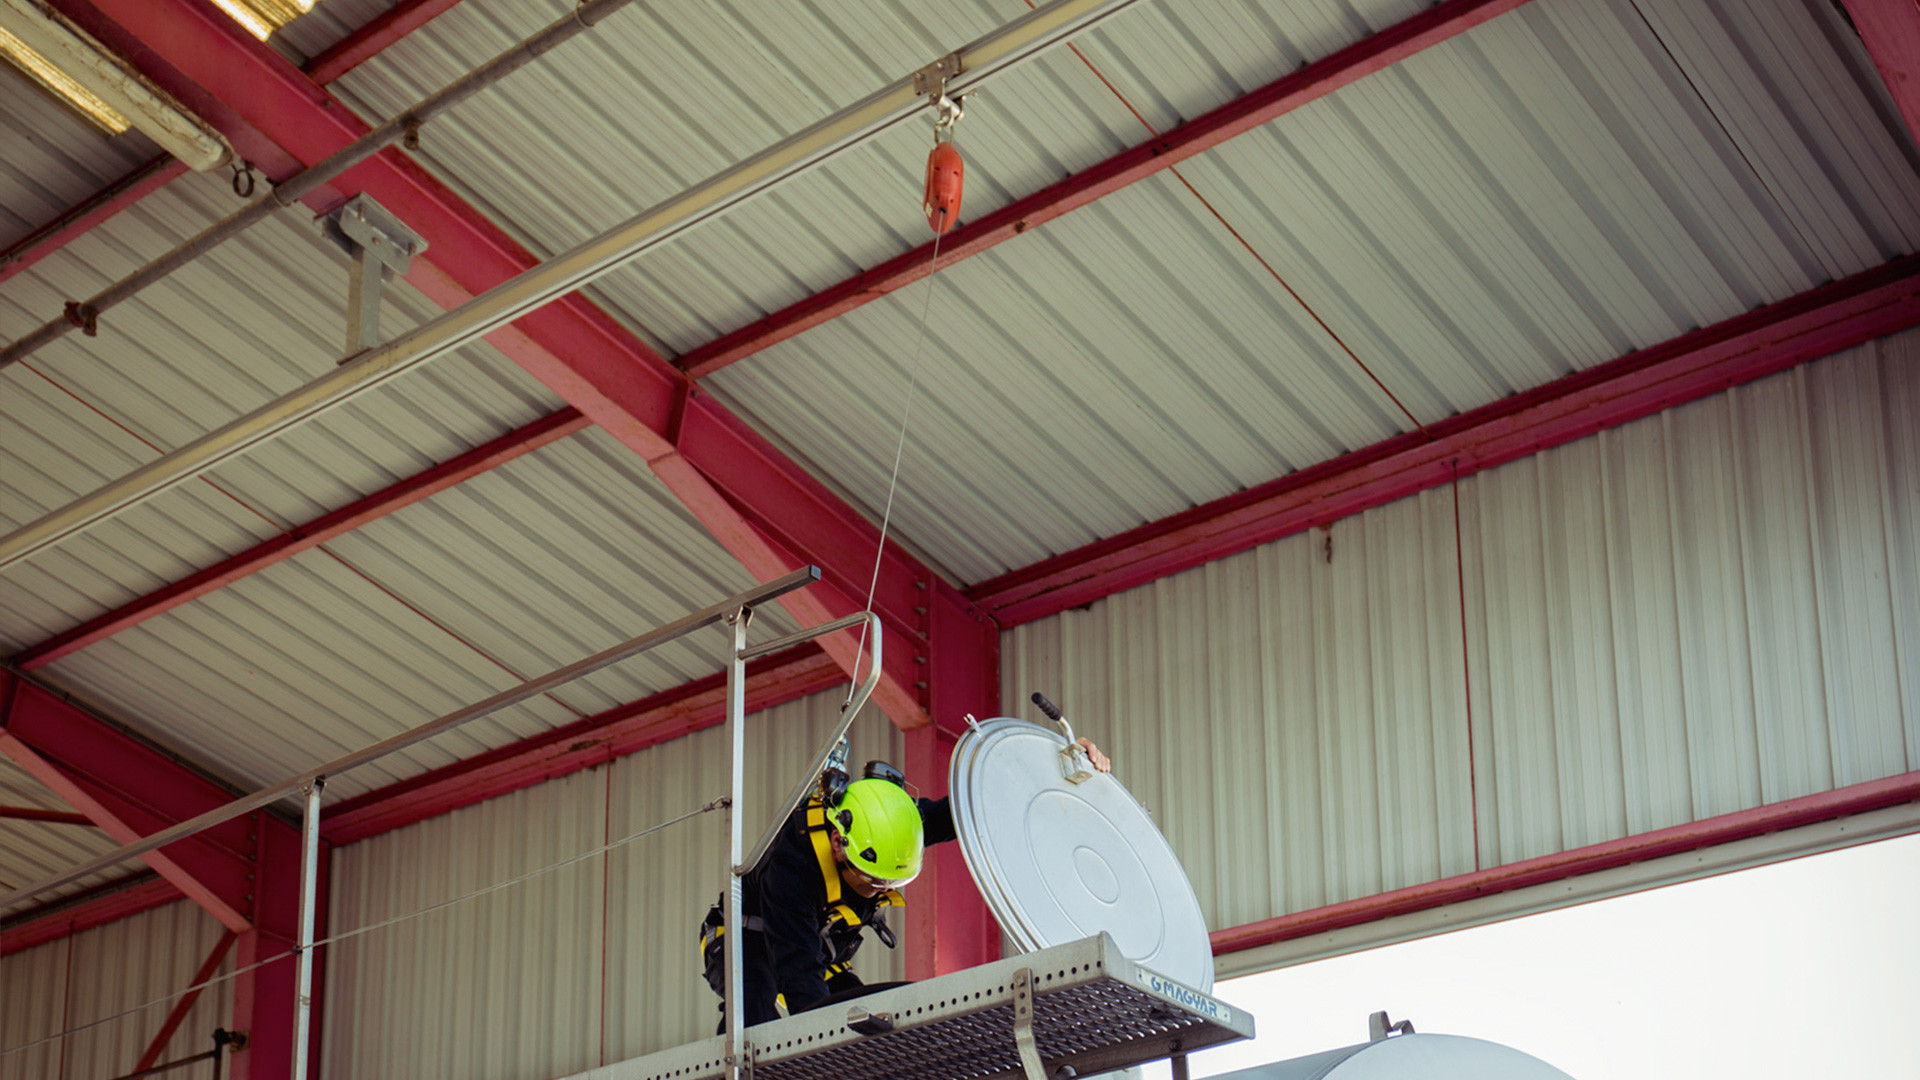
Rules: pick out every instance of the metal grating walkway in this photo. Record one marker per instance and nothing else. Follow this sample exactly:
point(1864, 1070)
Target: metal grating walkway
point(1093, 1010)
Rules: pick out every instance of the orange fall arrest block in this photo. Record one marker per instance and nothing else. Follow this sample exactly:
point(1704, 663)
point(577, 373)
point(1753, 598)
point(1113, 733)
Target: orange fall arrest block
point(946, 175)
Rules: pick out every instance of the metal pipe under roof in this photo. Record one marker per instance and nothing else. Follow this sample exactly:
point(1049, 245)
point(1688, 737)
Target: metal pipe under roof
point(679, 628)
point(303, 183)
point(971, 66)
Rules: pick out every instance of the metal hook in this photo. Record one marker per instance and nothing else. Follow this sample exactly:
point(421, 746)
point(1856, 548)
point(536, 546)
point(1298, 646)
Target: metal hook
point(948, 111)
point(243, 171)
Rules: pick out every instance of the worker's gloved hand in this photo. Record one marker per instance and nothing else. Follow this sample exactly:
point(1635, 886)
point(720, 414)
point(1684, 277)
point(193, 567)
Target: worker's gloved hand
point(1100, 760)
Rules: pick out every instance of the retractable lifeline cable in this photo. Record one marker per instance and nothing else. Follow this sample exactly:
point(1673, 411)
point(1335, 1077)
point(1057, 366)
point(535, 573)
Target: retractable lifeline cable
point(940, 200)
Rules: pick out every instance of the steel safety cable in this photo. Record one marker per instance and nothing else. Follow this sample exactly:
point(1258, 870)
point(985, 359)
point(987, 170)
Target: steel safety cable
point(899, 448)
point(370, 927)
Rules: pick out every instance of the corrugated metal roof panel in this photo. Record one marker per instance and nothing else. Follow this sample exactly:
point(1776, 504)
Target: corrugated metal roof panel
point(33, 850)
point(553, 557)
point(209, 345)
point(591, 963)
point(54, 160)
point(1537, 196)
point(1288, 718)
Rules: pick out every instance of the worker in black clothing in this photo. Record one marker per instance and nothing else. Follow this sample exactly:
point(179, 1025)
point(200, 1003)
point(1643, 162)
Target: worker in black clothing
point(839, 861)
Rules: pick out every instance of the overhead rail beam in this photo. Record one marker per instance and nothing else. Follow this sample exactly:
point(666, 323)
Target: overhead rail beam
point(296, 784)
point(998, 52)
point(312, 178)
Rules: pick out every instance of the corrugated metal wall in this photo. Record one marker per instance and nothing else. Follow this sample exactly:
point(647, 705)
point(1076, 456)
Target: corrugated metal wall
point(588, 964)
point(68, 984)
point(1700, 612)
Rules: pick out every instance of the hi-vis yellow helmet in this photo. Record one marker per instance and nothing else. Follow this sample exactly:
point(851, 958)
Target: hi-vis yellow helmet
point(881, 826)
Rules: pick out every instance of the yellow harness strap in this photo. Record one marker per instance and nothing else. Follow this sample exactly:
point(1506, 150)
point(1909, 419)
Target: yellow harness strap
point(830, 870)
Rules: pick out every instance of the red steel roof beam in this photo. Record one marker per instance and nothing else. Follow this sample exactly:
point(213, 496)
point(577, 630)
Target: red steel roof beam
point(84, 218)
point(352, 51)
point(1890, 29)
point(374, 38)
point(245, 872)
point(413, 489)
point(1817, 323)
point(69, 916)
point(130, 790)
point(583, 744)
point(763, 507)
point(1382, 50)
point(51, 817)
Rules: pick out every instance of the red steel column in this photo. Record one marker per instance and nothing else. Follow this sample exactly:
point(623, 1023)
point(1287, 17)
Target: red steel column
point(950, 927)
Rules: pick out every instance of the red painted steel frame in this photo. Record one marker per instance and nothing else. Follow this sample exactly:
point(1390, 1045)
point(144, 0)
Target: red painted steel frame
point(1243, 114)
point(77, 222)
point(1890, 29)
point(52, 817)
point(39, 926)
point(1747, 347)
point(181, 1008)
point(765, 509)
point(1708, 832)
point(950, 925)
point(413, 489)
point(370, 40)
point(584, 744)
point(357, 48)
point(246, 872)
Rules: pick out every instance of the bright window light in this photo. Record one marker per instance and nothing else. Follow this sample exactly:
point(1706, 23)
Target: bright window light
point(37, 68)
point(263, 17)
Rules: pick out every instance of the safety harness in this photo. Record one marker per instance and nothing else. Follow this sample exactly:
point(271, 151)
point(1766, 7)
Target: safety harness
point(841, 930)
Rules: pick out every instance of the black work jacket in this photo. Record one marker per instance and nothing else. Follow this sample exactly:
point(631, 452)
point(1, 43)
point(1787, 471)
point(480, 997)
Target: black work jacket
point(789, 896)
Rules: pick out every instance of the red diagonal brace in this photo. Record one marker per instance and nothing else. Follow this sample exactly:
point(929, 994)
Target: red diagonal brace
point(185, 1005)
point(245, 872)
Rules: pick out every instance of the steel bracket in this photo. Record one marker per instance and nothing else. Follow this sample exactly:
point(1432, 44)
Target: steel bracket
point(379, 245)
point(1023, 1025)
point(932, 79)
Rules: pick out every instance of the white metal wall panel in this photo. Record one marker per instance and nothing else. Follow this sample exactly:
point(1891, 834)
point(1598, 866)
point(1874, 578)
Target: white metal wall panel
point(111, 987)
point(1287, 714)
point(592, 963)
point(1700, 612)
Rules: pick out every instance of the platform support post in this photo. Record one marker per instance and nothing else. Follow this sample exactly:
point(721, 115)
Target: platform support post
point(730, 941)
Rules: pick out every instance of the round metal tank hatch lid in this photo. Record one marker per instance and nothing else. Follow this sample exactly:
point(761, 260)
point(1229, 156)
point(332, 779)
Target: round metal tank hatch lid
point(1409, 1057)
point(1059, 861)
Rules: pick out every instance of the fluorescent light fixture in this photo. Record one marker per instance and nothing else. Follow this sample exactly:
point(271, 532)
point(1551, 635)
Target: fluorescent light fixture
point(69, 53)
point(263, 17)
point(36, 67)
